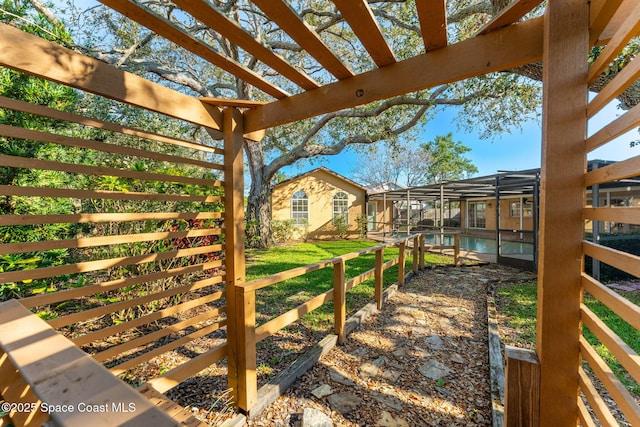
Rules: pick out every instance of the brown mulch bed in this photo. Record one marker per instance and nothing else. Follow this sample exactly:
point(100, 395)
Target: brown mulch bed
point(438, 319)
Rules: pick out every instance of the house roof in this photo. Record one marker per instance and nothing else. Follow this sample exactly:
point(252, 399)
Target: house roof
point(321, 169)
point(510, 183)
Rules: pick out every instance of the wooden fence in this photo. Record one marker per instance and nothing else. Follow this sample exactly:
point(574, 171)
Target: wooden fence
point(115, 234)
point(249, 335)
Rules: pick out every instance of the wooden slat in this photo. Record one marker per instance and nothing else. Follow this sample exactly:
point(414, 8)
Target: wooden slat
point(88, 242)
point(83, 218)
point(625, 215)
point(621, 260)
point(390, 263)
point(522, 387)
point(564, 125)
point(339, 301)
point(43, 111)
point(146, 319)
point(84, 315)
point(621, 350)
point(30, 54)
point(515, 45)
point(16, 132)
point(111, 285)
point(600, 14)
point(29, 163)
point(11, 190)
point(629, 28)
point(263, 282)
point(622, 124)
point(285, 319)
point(291, 23)
point(361, 20)
point(175, 376)
point(510, 14)
point(87, 266)
point(625, 78)
point(432, 15)
point(616, 22)
point(145, 357)
point(228, 28)
point(614, 172)
point(239, 103)
point(61, 374)
point(355, 281)
point(378, 278)
point(155, 335)
point(621, 306)
point(616, 389)
point(597, 404)
point(164, 28)
point(357, 254)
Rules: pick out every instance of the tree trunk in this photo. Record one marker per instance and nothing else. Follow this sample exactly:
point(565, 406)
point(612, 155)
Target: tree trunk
point(259, 200)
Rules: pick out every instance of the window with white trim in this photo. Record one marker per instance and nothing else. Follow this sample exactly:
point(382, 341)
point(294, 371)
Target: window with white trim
point(341, 207)
point(300, 208)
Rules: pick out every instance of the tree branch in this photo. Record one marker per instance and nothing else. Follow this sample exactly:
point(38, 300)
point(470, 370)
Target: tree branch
point(466, 12)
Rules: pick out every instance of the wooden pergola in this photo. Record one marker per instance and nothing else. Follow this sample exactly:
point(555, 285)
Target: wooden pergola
point(552, 382)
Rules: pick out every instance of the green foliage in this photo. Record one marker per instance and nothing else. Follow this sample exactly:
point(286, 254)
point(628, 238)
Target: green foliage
point(252, 234)
point(283, 230)
point(341, 226)
point(518, 302)
point(362, 222)
point(448, 162)
point(627, 242)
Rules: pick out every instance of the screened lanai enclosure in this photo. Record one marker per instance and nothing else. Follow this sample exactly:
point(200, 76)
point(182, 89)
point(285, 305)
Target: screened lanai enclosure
point(131, 244)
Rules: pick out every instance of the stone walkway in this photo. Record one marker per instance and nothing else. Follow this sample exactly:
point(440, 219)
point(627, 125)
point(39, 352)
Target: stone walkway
point(421, 361)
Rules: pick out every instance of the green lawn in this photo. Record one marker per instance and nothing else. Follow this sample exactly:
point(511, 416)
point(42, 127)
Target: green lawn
point(276, 299)
point(518, 303)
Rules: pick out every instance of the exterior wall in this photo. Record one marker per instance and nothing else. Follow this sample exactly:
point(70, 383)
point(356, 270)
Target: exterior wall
point(320, 187)
point(506, 220)
point(382, 217)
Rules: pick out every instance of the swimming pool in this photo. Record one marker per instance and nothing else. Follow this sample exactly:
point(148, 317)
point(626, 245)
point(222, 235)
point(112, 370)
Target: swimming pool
point(481, 244)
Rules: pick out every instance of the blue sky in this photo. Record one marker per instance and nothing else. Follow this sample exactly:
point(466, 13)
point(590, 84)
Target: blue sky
point(519, 150)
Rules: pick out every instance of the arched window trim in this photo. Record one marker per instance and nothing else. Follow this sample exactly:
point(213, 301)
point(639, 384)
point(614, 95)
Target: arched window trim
point(340, 205)
point(300, 208)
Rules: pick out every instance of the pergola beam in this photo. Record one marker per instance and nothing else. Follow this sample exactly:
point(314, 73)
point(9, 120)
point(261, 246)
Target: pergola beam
point(217, 21)
point(512, 46)
point(167, 30)
point(33, 55)
point(509, 15)
point(433, 23)
point(361, 20)
point(291, 23)
point(601, 13)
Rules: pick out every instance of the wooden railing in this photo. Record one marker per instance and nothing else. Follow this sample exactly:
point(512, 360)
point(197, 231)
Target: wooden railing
point(250, 335)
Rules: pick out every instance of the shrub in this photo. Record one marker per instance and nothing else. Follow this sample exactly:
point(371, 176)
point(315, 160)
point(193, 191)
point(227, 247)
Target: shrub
point(282, 230)
point(341, 226)
point(629, 243)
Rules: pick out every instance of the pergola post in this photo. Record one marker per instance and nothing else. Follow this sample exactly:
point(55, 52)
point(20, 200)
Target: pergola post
point(241, 357)
point(566, 47)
